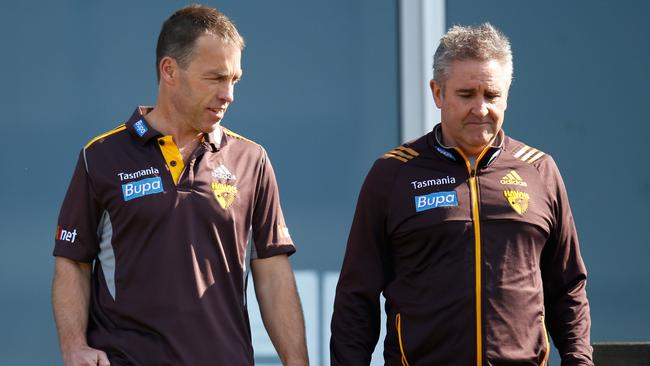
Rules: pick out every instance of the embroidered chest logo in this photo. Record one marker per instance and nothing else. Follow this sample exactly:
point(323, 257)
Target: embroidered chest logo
point(518, 200)
point(225, 194)
point(221, 172)
point(513, 178)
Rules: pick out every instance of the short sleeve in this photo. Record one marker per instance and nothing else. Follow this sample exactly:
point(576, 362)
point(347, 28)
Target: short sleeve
point(270, 233)
point(76, 231)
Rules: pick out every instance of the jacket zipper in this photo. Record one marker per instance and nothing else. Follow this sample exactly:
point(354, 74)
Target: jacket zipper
point(473, 185)
point(398, 323)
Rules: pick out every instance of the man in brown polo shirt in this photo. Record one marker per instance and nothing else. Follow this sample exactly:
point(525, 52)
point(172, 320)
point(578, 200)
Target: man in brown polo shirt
point(468, 234)
point(164, 217)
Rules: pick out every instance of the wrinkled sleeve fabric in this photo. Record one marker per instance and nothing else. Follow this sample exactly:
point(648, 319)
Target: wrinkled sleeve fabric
point(270, 233)
point(565, 276)
point(356, 320)
point(76, 232)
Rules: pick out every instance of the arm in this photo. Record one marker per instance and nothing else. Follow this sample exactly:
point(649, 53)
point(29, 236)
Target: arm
point(565, 277)
point(276, 292)
point(70, 301)
point(357, 314)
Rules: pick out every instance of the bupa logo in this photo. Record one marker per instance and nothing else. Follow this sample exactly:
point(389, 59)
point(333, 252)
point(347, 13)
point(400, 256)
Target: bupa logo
point(66, 235)
point(140, 128)
point(142, 188)
point(436, 199)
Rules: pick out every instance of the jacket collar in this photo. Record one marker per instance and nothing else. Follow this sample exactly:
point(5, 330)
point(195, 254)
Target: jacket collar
point(453, 153)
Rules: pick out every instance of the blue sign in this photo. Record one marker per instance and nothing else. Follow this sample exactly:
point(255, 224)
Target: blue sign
point(435, 200)
point(142, 188)
point(140, 128)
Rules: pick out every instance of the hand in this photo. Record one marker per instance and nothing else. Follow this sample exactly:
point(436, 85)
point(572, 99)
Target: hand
point(86, 356)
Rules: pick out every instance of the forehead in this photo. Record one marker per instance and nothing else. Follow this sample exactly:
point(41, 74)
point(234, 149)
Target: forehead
point(488, 73)
point(213, 51)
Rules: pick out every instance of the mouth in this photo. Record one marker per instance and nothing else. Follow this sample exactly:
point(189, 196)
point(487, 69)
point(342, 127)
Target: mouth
point(217, 110)
point(478, 122)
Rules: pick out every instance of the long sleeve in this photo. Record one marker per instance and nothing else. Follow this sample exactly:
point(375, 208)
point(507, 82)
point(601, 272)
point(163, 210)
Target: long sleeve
point(356, 319)
point(565, 277)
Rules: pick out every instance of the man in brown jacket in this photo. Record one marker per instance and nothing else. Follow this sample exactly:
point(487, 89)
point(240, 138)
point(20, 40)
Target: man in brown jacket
point(468, 234)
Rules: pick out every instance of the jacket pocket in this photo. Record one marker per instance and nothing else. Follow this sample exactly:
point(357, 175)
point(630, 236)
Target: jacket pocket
point(398, 326)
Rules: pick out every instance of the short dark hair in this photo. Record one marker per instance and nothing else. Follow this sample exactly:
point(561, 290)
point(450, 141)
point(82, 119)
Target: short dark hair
point(181, 30)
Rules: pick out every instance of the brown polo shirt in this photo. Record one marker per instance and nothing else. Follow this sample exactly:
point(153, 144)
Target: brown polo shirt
point(171, 243)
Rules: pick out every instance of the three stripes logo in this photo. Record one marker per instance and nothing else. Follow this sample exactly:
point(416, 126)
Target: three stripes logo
point(528, 154)
point(221, 172)
point(401, 153)
point(514, 179)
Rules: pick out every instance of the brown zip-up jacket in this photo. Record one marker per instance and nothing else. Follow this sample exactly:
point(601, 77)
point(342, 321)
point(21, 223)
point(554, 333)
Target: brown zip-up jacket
point(477, 263)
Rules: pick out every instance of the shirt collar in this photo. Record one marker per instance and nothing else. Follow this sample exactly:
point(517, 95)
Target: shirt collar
point(214, 139)
point(140, 129)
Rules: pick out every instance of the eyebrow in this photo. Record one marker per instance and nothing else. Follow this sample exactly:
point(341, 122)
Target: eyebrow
point(222, 74)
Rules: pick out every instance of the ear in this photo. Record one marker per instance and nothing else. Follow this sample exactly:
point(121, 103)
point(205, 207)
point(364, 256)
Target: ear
point(436, 91)
point(168, 68)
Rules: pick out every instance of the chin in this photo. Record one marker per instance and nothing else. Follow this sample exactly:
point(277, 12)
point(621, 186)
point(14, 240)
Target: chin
point(211, 128)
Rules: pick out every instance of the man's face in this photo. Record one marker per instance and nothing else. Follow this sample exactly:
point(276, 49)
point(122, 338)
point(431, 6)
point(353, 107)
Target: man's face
point(206, 88)
point(472, 101)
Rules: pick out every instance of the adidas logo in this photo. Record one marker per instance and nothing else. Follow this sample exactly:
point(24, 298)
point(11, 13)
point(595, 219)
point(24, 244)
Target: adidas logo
point(513, 178)
point(221, 172)
point(402, 154)
point(528, 154)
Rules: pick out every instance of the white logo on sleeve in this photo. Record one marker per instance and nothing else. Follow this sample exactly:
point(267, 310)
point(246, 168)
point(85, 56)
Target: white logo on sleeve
point(66, 235)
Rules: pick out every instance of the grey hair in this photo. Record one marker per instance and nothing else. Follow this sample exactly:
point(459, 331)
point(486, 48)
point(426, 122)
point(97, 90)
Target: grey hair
point(482, 43)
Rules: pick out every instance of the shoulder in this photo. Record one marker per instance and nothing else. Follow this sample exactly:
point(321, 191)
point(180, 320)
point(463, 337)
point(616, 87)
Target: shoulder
point(534, 157)
point(525, 153)
point(245, 149)
point(106, 137)
point(243, 145)
point(389, 165)
point(405, 152)
point(237, 138)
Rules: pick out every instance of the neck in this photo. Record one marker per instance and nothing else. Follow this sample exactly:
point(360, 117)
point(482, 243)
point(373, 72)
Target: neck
point(471, 153)
point(169, 123)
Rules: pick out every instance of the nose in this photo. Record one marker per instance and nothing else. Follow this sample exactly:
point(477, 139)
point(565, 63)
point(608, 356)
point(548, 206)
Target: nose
point(227, 93)
point(480, 108)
